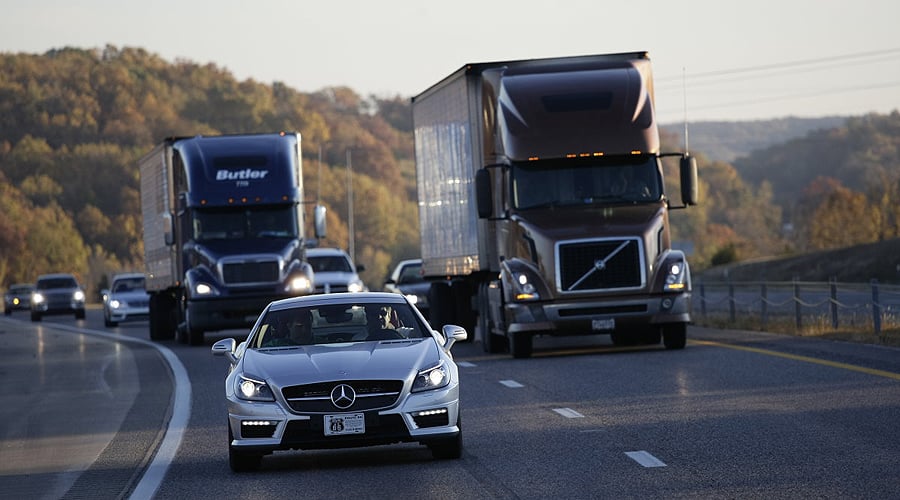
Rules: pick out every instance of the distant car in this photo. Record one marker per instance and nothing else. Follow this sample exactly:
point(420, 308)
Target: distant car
point(339, 371)
point(57, 294)
point(126, 299)
point(17, 297)
point(334, 271)
point(407, 279)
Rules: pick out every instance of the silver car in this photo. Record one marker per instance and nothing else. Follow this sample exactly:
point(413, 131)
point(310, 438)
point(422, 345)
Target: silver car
point(126, 299)
point(338, 371)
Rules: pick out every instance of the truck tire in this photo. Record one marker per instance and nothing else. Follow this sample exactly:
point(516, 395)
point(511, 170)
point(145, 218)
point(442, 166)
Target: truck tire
point(675, 335)
point(440, 304)
point(520, 344)
point(462, 293)
point(191, 335)
point(35, 316)
point(162, 316)
point(491, 343)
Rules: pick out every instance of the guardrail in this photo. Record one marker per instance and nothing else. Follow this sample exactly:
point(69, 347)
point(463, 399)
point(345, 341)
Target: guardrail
point(870, 305)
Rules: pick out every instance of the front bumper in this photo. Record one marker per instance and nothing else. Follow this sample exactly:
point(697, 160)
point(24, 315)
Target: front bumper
point(576, 317)
point(224, 313)
point(264, 427)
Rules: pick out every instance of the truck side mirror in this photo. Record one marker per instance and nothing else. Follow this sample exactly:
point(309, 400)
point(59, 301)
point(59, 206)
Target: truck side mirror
point(483, 197)
point(168, 229)
point(319, 220)
point(688, 168)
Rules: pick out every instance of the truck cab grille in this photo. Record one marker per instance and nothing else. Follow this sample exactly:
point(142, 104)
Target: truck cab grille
point(242, 273)
point(597, 265)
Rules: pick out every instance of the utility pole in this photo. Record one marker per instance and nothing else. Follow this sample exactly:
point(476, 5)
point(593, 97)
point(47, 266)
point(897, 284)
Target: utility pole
point(351, 246)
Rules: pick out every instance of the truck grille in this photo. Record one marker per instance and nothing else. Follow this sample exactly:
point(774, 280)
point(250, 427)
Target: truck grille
point(593, 265)
point(250, 272)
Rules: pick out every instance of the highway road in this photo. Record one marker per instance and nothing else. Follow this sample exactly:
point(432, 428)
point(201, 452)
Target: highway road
point(87, 411)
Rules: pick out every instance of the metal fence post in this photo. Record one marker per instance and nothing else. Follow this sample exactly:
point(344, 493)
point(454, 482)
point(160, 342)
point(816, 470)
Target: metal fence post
point(798, 309)
point(731, 302)
point(764, 292)
point(876, 309)
point(703, 300)
point(834, 308)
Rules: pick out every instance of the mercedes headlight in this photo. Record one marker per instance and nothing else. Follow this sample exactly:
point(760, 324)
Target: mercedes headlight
point(431, 378)
point(250, 389)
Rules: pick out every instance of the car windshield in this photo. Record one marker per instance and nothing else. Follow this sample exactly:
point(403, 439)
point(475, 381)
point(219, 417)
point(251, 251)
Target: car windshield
point(51, 283)
point(245, 223)
point(337, 323)
point(129, 284)
point(552, 183)
point(411, 273)
point(330, 264)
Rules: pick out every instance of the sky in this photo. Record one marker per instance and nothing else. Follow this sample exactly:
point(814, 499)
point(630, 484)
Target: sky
point(714, 60)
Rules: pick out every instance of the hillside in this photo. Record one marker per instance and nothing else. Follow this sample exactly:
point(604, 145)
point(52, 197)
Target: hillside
point(856, 264)
point(727, 141)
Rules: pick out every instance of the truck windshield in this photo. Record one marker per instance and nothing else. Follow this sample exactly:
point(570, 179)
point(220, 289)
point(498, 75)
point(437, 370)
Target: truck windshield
point(550, 183)
point(245, 223)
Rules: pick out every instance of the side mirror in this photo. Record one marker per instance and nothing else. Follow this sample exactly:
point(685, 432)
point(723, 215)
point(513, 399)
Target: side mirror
point(689, 190)
point(453, 334)
point(319, 220)
point(483, 197)
point(168, 229)
point(225, 347)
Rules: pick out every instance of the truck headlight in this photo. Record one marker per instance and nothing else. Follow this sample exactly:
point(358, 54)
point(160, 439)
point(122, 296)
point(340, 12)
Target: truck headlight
point(299, 284)
point(202, 289)
point(676, 276)
point(78, 296)
point(37, 298)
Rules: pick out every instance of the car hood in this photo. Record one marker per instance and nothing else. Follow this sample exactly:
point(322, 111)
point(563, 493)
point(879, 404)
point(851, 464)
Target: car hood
point(132, 295)
point(334, 277)
point(391, 359)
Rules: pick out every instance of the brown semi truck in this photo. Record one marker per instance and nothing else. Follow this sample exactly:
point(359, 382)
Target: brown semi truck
point(542, 207)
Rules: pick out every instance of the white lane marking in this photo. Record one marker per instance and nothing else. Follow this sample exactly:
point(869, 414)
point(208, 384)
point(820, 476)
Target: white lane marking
point(568, 413)
point(645, 459)
point(181, 413)
point(465, 364)
point(511, 383)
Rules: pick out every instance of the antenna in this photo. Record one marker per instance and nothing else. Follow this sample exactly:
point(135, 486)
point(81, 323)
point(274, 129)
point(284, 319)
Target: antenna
point(684, 96)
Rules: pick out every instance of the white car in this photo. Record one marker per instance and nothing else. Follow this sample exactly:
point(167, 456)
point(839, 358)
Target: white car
point(126, 299)
point(334, 271)
point(338, 371)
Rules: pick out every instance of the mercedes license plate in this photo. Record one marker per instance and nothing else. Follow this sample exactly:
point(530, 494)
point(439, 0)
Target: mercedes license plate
point(603, 324)
point(345, 423)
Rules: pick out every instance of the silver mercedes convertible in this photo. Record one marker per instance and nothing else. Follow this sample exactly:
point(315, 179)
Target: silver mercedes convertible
point(338, 371)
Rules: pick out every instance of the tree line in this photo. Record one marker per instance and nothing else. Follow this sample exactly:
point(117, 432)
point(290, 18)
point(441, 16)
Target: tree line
point(73, 123)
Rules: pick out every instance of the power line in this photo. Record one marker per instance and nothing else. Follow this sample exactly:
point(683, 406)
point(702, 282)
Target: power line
point(783, 65)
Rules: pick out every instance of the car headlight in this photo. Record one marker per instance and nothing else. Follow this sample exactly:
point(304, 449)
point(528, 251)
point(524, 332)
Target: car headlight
point(252, 390)
point(37, 298)
point(115, 304)
point(355, 286)
point(431, 378)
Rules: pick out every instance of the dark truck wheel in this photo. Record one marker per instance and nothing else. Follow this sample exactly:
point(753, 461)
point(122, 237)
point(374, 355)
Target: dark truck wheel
point(675, 335)
point(162, 316)
point(520, 344)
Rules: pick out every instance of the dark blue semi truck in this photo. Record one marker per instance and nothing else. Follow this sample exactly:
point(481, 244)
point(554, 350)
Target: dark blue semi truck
point(223, 231)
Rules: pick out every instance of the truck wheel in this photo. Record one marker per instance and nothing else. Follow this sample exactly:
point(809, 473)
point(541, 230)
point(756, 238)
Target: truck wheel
point(440, 304)
point(190, 334)
point(675, 335)
point(490, 342)
point(35, 316)
point(520, 344)
point(79, 314)
point(162, 311)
